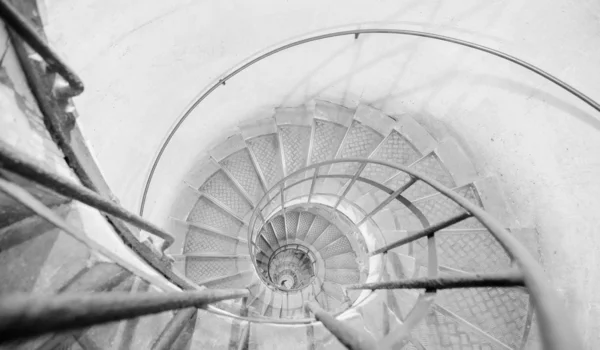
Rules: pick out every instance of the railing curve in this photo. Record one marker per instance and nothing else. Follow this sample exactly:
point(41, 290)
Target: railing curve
point(296, 42)
point(556, 333)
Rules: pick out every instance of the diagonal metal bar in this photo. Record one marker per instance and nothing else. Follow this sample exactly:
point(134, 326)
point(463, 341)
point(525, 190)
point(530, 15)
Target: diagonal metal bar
point(312, 184)
point(423, 233)
point(347, 335)
point(29, 34)
point(20, 165)
point(398, 337)
point(173, 329)
point(351, 183)
point(27, 315)
point(500, 279)
point(389, 199)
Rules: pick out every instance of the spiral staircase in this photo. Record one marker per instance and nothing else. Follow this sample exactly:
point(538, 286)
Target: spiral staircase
point(320, 226)
point(310, 248)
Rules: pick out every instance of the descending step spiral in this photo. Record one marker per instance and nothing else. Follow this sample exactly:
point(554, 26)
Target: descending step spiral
point(294, 207)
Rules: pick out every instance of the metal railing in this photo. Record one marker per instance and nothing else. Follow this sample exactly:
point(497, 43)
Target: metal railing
point(27, 316)
point(547, 304)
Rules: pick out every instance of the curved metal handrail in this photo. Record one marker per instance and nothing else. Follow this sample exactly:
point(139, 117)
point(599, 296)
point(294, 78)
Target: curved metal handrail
point(550, 310)
point(250, 62)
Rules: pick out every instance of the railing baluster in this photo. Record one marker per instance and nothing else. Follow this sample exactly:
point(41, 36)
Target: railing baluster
point(389, 199)
point(312, 184)
point(423, 233)
point(500, 279)
point(352, 181)
point(344, 333)
point(20, 165)
point(32, 315)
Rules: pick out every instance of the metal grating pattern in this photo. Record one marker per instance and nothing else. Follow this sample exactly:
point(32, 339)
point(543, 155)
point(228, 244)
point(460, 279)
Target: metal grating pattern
point(433, 167)
point(330, 234)
point(291, 223)
point(342, 276)
point(279, 227)
point(501, 312)
point(199, 270)
point(394, 149)
point(318, 226)
point(344, 261)
point(304, 222)
point(269, 235)
point(263, 245)
point(236, 281)
point(340, 246)
point(439, 331)
point(199, 240)
point(206, 212)
point(266, 151)
point(326, 140)
point(296, 140)
point(241, 168)
point(220, 188)
point(476, 252)
point(359, 143)
point(438, 208)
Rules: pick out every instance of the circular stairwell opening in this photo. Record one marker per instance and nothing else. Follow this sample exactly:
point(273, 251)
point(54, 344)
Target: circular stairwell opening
point(291, 267)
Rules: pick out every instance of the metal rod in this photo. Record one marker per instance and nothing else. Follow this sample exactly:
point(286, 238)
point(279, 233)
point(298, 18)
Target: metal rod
point(29, 34)
point(27, 315)
point(347, 335)
point(210, 89)
point(312, 184)
point(245, 337)
point(389, 199)
point(501, 279)
point(352, 181)
point(18, 164)
point(423, 233)
point(173, 329)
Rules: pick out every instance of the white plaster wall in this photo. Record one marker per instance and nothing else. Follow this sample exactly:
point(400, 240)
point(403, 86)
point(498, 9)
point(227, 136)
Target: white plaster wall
point(144, 61)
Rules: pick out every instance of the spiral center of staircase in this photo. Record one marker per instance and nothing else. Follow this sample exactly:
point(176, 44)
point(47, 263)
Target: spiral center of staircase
point(291, 267)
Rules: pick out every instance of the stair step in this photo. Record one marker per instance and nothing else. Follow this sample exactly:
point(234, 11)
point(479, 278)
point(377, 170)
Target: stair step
point(270, 236)
point(278, 224)
point(222, 189)
point(439, 331)
point(359, 142)
point(267, 152)
point(343, 277)
point(328, 236)
point(500, 312)
point(343, 261)
point(294, 128)
point(340, 246)
point(241, 169)
point(291, 224)
point(208, 213)
point(438, 207)
point(318, 225)
point(474, 251)
point(331, 123)
point(305, 221)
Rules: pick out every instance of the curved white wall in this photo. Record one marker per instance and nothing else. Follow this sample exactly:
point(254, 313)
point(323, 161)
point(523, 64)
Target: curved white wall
point(143, 62)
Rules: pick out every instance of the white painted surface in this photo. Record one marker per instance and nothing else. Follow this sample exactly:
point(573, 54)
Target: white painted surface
point(143, 62)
